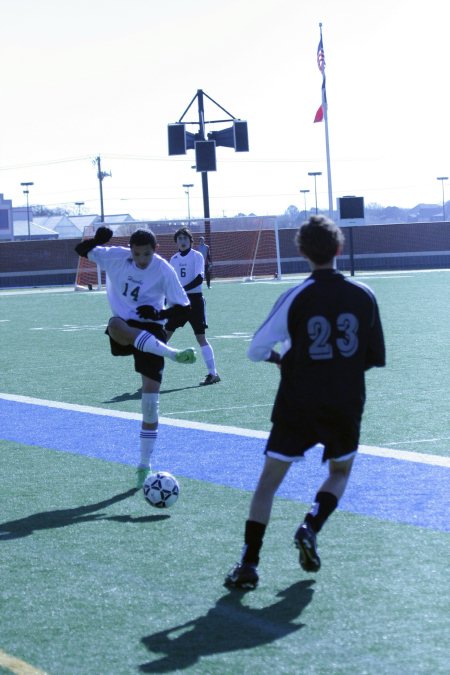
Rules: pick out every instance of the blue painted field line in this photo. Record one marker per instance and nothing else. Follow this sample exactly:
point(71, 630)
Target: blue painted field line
point(383, 487)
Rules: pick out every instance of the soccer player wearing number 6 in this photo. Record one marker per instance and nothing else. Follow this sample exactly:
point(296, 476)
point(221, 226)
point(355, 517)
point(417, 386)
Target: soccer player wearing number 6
point(189, 265)
point(330, 331)
point(139, 284)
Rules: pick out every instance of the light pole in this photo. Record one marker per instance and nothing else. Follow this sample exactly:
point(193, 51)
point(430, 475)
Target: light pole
point(442, 178)
point(315, 174)
point(305, 192)
point(27, 192)
point(188, 186)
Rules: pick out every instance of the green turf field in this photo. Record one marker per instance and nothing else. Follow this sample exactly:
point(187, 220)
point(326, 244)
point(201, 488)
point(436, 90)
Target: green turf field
point(93, 581)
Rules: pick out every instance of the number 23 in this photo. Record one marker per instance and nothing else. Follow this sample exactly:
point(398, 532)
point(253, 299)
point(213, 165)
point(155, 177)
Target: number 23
point(319, 330)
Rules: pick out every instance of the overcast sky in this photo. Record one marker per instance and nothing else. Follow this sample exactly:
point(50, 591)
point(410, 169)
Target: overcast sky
point(82, 78)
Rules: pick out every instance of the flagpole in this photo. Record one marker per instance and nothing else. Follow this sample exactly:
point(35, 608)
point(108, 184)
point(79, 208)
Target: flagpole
point(327, 140)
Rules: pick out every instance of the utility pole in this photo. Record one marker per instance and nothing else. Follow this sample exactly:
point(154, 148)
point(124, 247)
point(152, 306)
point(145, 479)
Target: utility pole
point(101, 175)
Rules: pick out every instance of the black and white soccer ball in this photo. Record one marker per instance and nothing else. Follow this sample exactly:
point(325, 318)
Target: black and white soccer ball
point(161, 489)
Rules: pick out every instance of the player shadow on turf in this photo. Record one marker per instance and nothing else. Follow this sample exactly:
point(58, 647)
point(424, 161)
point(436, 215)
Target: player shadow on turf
point(171, 391)
point(126, 396)
point(228, 626)
point(23, 527)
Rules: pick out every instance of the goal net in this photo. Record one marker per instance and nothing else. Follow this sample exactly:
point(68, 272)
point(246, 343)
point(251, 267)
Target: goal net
point(244, 247)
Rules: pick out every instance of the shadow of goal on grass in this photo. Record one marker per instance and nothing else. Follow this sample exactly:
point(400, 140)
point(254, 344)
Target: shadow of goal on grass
point(228, 626)
point(46, 520)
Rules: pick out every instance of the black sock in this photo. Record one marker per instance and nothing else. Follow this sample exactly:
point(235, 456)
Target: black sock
point(324, 505)
point(254, 534)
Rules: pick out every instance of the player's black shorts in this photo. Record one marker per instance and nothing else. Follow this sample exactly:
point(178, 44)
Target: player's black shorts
point(338, 433)
point(197, 316)
point(150, 365)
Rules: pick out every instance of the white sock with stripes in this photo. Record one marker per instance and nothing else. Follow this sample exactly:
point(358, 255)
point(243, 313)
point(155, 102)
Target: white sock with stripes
point(148, 439)
point(146, 342)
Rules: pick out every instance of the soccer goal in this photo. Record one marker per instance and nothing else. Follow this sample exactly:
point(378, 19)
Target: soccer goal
point(242, 248)
point(245, 247)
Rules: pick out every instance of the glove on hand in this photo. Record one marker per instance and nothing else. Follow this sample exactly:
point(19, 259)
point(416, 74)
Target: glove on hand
point(102, 235)
point(148, 312)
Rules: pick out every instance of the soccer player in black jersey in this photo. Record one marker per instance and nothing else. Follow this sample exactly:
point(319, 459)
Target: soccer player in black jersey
point(330, 331)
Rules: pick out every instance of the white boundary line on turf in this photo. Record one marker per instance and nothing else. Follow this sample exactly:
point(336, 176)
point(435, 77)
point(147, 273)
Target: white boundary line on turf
point(18, 666)
point(405, 455)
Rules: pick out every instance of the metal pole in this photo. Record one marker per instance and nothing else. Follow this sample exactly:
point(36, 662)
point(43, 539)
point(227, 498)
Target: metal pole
point(314, 174)
point(100, 177)
point(26, 192)
point(304, 198)
point(205, 190)
point(352, 257)
point(28, 213)
point(188, 186)
point(442, 178)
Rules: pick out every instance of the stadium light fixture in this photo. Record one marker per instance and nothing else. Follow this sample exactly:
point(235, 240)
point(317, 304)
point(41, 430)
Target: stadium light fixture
point(315, 174)
point(442, 179)
point(27, 192)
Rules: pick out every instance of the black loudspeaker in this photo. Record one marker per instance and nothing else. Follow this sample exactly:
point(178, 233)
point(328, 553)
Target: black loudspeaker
point(240, 136)
point(232, 137)
point(205, 155)
point(223, 137)
point(177, 139)
point(351, 208)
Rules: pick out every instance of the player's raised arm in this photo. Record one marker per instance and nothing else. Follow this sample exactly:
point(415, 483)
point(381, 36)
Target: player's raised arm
point(101, 237)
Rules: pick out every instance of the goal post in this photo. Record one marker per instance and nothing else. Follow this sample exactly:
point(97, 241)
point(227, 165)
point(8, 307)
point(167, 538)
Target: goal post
point(261, 252)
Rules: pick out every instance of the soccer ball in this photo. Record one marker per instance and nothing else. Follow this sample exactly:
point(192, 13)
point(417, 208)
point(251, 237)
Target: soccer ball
point(161, 489)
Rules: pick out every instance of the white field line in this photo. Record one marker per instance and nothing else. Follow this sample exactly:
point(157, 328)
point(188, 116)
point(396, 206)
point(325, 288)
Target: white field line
point(14, 665)
point(389, 453)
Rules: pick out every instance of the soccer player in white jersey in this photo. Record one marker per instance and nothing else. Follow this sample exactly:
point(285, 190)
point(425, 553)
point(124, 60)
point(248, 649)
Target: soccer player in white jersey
point(137, 280)
point(331, 333)
point(189, 265)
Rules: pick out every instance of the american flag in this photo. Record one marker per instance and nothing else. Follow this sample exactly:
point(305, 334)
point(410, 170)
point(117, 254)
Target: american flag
point(321, 56)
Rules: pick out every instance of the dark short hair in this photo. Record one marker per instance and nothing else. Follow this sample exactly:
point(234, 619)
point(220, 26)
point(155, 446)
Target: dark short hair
point(143, 238)
point(183, 230)
point(319, 239)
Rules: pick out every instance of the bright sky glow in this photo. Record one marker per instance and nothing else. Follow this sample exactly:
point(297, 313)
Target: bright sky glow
point(82, 78)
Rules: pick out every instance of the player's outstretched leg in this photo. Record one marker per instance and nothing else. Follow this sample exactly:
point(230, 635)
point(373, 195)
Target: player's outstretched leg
point(242, 575)
point(305, 541)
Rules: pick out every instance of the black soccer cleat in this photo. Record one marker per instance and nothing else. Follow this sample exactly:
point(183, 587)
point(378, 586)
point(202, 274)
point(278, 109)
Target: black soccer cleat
point(209, 379)
point(305, 541)
point(243, 575)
